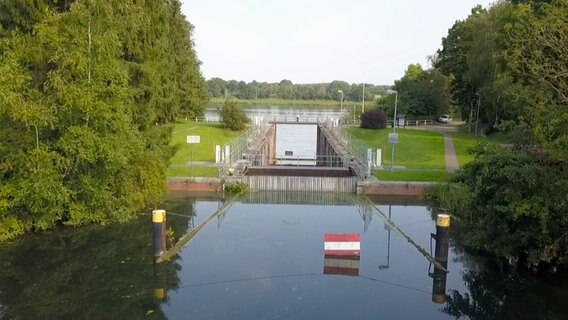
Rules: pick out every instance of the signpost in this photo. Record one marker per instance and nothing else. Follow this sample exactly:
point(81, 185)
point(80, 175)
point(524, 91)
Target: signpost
point(393, 139)
point(192, 140)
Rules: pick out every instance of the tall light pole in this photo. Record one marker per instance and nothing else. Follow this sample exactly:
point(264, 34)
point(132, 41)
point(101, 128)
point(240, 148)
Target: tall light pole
point(393, 123)
point(477, 112)
point(341, 91)
point(363, 106)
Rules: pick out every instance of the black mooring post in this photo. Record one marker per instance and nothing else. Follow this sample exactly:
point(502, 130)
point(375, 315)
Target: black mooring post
point(442, 237)
point(439, 284)
point(441, 255)
point(159, 232)
point(160, 280)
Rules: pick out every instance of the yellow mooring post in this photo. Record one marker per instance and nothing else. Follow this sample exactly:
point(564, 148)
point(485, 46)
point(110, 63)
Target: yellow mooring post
point(160, 280)
point(441, 255)
point(159, 232)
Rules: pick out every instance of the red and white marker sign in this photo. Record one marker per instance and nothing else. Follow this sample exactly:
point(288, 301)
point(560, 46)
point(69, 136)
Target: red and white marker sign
point(341, 254)
point(342, 244)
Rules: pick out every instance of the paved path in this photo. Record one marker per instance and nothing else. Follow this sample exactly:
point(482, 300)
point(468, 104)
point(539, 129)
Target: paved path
point(449, 150)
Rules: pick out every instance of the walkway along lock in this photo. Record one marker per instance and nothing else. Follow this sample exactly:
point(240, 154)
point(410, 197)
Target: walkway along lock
point(439, 276)
point(159, 232)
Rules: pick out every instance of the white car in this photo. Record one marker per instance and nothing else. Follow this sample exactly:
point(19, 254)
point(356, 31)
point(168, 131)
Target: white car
point(445, 118)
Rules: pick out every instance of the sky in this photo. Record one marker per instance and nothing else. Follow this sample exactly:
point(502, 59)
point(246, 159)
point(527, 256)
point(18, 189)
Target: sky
point(318, 41)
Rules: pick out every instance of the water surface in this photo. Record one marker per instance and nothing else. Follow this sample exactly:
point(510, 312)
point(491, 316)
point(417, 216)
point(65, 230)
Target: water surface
point(262, 259)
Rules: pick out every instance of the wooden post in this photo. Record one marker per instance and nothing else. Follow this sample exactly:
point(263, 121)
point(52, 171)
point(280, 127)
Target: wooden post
point(159, 232)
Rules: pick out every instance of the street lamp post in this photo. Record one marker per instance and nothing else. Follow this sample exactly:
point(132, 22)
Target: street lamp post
point(477, 112)
point(393, 124)
point(341, 91)
point(363, 106)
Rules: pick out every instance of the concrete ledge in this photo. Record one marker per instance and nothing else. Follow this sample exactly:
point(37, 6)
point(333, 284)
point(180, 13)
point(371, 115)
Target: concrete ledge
point(194, 184)
point(396, 188)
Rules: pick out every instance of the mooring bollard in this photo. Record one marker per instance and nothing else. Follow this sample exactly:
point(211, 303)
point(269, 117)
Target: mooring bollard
point(159, 232)
point(439, 276)
point(159, 280)
point(442, 237)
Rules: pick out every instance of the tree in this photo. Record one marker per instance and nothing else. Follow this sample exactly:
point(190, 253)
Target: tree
point(374, 119)
point(233, 115)
point(88, 90)
point(512, 58)
point(421, 93)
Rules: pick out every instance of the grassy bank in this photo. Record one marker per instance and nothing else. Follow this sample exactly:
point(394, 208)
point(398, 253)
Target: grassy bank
point(421, 152)
point(211, 134)
point(416, 149)
point(413, 175)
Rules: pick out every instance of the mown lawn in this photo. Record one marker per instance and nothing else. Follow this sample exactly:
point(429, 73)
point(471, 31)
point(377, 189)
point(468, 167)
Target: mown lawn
point(464, 142)
point(416, 149)
point(421, 152)
point(413, 175)
point(211, 134)
point(196, 171)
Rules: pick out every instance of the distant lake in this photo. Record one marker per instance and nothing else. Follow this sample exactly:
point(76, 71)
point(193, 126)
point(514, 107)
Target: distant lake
point(283, 111)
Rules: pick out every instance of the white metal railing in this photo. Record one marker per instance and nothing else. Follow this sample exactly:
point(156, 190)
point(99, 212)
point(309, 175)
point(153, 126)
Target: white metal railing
point(298, 161)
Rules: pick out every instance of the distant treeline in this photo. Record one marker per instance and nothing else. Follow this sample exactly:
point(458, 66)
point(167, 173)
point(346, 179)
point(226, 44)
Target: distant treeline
point(285, 89)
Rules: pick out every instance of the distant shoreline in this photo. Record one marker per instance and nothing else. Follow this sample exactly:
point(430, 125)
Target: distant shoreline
point(289, 102)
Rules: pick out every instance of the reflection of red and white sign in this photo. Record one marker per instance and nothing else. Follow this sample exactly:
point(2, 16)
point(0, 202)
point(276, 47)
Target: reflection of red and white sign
point(341, 254)
point(347, 266)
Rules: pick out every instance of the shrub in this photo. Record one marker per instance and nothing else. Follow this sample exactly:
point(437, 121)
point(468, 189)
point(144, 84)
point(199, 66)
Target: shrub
point(236, 188)
point(233, 115)
point(374, 119)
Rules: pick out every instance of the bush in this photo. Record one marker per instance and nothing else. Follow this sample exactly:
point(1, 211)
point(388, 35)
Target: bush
point(233, 115)
point(236, 188)
point(374, 119)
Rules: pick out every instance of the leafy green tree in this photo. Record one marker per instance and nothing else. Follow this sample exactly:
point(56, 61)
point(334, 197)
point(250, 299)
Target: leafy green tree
point(233, 115)
point(515, 206)
point(87, 91)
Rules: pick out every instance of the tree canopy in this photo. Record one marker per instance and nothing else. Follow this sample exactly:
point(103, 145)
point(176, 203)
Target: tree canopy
point(510, 62)
point(88, 90)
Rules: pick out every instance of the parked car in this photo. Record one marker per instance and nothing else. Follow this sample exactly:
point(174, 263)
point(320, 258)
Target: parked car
point(445, 118)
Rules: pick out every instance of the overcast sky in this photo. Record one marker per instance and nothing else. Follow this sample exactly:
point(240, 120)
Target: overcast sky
point(310, 41)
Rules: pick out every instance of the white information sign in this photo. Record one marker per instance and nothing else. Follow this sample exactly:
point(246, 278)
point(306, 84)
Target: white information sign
point(393, 137)
point(193, 139)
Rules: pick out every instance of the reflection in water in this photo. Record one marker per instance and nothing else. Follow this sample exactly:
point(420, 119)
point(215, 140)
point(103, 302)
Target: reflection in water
point(494, 294)
point(83, 274)
point(265, 260)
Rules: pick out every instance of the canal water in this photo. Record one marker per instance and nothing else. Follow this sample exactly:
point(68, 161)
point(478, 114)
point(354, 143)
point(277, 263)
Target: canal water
point(264, 259)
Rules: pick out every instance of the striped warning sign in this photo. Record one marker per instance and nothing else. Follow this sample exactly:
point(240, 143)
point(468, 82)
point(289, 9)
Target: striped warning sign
point(342, 244)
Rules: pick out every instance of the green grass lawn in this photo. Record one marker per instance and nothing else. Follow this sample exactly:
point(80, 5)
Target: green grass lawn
point(463, 142)
point(416, 149)
point(196, 171)
point(413, 175)
point(421, 152)
point(211, 134)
